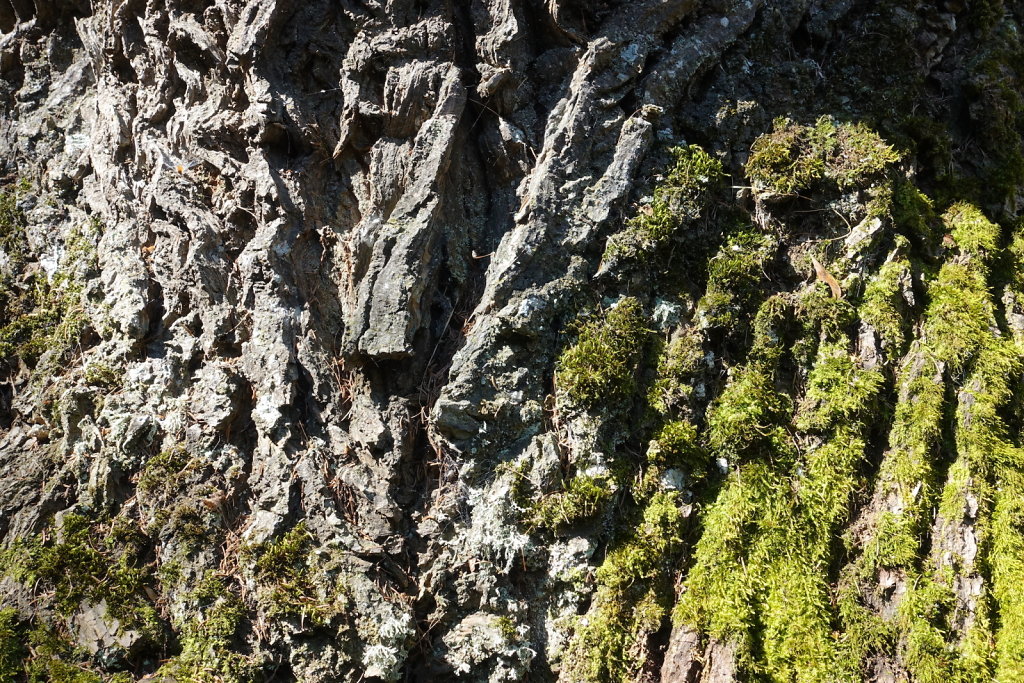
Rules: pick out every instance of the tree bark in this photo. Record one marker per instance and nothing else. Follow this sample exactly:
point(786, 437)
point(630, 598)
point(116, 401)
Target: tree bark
point(298, 300)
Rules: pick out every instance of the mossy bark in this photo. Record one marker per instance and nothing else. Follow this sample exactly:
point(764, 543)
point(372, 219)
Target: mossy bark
point(511, 340)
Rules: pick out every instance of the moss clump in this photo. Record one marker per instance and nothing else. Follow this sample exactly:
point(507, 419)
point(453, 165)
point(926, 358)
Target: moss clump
point(676, 368)
point(677, 444)
point(680, 198)
point(53, 659)
point(92, 562)
point(582, 498)
point(884, 307)
point(794, 157)
point(285, 569)
point(162, 473)
point(823, 316)
point(838, 390)
point(959, 313)
point(600, 367)
point(46, 314)
point(633, 597)
point(12, 650)
point(748, 417)
point(736, 276)
point(208, 640)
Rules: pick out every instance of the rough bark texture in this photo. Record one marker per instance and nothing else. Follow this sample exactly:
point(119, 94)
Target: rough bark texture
point(509, 340)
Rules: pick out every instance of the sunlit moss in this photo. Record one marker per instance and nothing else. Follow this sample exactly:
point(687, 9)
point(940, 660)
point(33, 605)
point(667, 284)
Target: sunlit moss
point(748, 416)
point(633, 596)
point(794, 157)
point(884, 307)
point(12, 648)
point(601, 365)
point(735, 280)
point(210, 651)
point(679, 198)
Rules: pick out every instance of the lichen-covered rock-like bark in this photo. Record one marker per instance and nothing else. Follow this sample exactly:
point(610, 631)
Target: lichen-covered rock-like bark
point(507, 340)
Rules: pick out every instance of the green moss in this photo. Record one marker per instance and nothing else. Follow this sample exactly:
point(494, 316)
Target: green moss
point(163, 473)
point(839, 390)
point(209, 652)
point(600, 367)
point(884, 308)
point(736, 276)
point(633, 595)
point(827, 317)
point(677, 444)
point(914, 213)
point(55, 660)
point(720, 588)
point(582, 498)
point(292, 583)
point(971, 230)
point(959, 313)
point(793, 157)
point(103, 375)
point(12, 649)
point(677, 366)
point(1007, 562)
point(92, 562)
point(748, 417)
point(678, 199)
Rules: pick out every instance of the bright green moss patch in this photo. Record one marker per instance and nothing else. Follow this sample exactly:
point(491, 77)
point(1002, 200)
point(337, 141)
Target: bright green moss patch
point(679, 198)
point(288, 574)
point(676, 368)
point(633, 597)
point(582, 498)
point(838, 390)
point(821, 313)
point(1007, 562)
point(601, 366)
point(718, 597)
point(794, 157)
point(677, 444)
point(736, 276)
point(959, 313)
point(971, 230)
point(748, 417)
point(884, 307)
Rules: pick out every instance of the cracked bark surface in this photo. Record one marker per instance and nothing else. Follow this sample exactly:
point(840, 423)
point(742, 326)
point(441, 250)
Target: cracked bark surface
point(333, 253)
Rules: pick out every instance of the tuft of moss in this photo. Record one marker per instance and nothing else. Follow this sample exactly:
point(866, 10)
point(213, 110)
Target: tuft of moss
point(678, 199)
point(676, 368)
point(600, 367)
point(884, 307)
point(971, 230)
point(959, 313)
point(582, 498)
point(12, 649)
point(94, 562)
point(209, 640)
point(736, 276)
point(55, 660)
point(292, 582)
point(838, 390)
point(794, 157)
point(634, 593)
point(677, 444)
point(748, 417)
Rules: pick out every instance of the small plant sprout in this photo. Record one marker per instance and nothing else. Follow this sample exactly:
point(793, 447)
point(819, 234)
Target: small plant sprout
point(177, 164)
